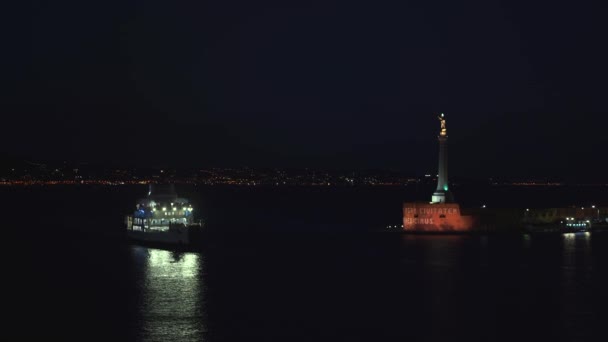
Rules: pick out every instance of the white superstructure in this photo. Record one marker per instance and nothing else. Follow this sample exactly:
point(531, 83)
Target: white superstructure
point(162, 217)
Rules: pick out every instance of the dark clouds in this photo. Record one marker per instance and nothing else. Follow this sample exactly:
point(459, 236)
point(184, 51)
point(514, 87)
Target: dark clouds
point(311, 83)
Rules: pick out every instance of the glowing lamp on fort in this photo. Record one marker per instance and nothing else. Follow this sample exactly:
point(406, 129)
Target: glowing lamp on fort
point(164, 208)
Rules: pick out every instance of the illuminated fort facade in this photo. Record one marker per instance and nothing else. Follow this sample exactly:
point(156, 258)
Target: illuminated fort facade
point(443, 215)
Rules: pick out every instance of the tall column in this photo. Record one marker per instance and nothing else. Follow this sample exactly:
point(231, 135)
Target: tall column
point(442, 194)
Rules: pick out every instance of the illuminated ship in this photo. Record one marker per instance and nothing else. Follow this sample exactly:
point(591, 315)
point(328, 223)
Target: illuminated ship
point(163, 218)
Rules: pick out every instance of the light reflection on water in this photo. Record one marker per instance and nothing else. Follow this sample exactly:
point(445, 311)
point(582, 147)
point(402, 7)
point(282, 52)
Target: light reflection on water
point(576, 282)
point(490, 280)
point(171, 306)
point(442, 259)
point(518, 284)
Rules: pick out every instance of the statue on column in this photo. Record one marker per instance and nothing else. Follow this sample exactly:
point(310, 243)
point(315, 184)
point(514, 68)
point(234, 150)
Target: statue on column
point(444, 131)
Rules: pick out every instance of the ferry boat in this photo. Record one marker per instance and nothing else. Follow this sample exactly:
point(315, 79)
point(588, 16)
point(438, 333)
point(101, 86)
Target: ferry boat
point(163, 218)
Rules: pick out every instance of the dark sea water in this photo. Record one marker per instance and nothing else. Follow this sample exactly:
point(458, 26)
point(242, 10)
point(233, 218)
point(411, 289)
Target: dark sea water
point(294, 265)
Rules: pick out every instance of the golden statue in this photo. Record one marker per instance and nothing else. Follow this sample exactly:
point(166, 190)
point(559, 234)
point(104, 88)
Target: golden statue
point(444, 131)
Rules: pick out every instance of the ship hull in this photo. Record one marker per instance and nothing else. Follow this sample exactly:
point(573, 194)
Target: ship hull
point(171, 238)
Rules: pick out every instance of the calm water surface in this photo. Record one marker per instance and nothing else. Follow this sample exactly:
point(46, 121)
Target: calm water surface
point(65, 284)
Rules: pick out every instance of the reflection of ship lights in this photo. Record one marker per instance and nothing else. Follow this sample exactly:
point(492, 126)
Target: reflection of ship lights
point(164, 264)
point(172, 288)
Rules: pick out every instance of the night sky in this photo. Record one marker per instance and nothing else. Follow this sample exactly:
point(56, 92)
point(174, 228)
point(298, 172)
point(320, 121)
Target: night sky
point(322, 84)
